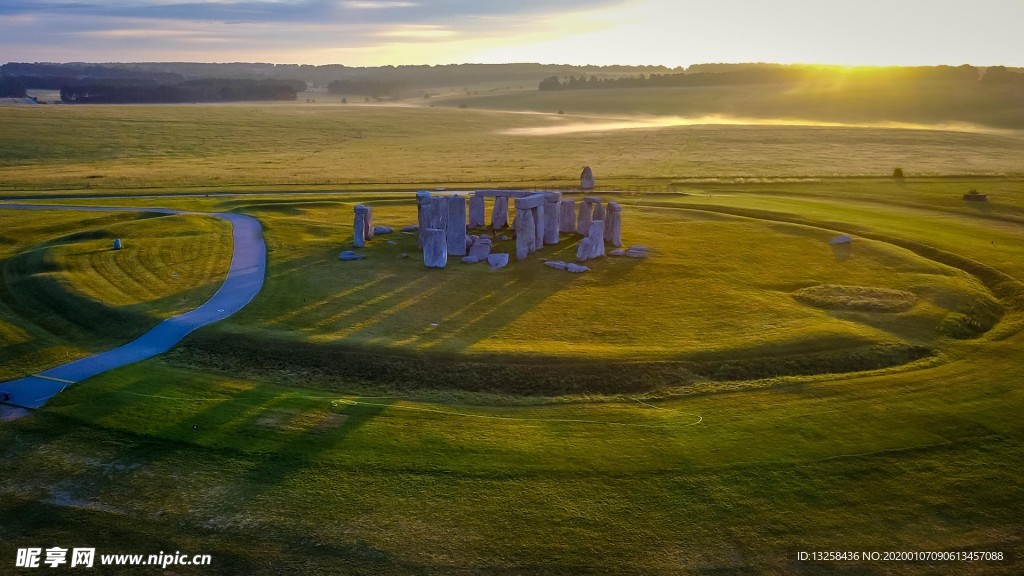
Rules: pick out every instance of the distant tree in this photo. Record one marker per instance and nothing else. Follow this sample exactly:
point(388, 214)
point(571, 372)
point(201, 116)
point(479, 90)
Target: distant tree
point(11, 88)
point(550, 83)
point(344, 100)
point(897, 173)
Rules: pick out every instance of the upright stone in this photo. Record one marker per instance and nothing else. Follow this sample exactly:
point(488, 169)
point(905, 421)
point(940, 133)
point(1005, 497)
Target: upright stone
point(456, 225)
point(596, 238)
point(499, 214)
point(567, 216)
point(583, 218)
point(435, 248)
point(526, 229)
point(587, 178)
point(117, 243)
point(359, 226)
point(439, 212)
point(476, 211)
point(369, 222)
point(613, 225)
point(423, 217)
point(538, 224)
point(598, 211)
point(583, 251)
point(552, 217)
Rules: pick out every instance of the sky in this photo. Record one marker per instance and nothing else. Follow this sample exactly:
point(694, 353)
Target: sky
point(598, 32)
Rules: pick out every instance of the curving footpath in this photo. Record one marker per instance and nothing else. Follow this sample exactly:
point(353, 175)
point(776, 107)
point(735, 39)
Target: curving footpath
point(244, 280)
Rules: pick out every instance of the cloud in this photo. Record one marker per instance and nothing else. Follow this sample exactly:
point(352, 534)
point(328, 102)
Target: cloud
point(417, 31)
point(368, 5)
point(373, 32)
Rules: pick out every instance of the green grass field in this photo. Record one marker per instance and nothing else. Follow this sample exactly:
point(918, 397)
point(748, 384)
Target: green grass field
point(91, 149)
point(684, 414)
point(66, 293)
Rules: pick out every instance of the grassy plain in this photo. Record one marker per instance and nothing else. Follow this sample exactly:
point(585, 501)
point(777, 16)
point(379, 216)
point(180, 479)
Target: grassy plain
point(303, 467)
point(149, 149)
point(833, 101)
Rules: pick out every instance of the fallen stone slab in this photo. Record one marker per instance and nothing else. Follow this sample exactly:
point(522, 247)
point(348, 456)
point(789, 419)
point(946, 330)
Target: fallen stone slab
point(576, 268)
point(350, 255)
point(556, 264)
point(382, 230)
point(496, 261)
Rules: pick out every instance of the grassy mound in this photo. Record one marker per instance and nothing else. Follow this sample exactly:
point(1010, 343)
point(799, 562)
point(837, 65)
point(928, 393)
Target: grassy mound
point(63, 296)
point(347, 369)
point(859, 298)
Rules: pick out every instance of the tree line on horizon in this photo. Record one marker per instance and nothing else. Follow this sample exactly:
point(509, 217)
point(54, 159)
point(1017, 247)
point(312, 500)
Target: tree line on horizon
point(791, 74)
point(387, 80)
point(202, 82)
point(202, 90)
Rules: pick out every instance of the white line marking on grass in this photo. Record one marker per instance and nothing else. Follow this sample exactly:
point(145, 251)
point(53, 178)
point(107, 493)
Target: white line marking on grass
point(61, 380)
point(699, 417)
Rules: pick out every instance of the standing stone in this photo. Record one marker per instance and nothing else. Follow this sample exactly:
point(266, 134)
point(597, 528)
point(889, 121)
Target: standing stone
point(598, 211)
point(584, 217)
point(583, 251)
point(613, 225)
point(567, 216)
point(117, 243)
point(526, 230)
point(456, 225)
point(587, 178)
point(359, 227)
point(551, 217)
point(499, 214)
point(476, 211)
point(435, 248)
point(596, 238)
point(423, 215)
point(370, 228)
point(538, 224)
point(367, 220)
point(439, 213)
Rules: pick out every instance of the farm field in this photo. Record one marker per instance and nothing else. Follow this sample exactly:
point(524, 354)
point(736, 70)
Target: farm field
point(150, 149)
point(743, 394)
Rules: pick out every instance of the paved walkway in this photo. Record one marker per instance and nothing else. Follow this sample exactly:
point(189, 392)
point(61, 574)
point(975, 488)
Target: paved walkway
point(243, 282)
